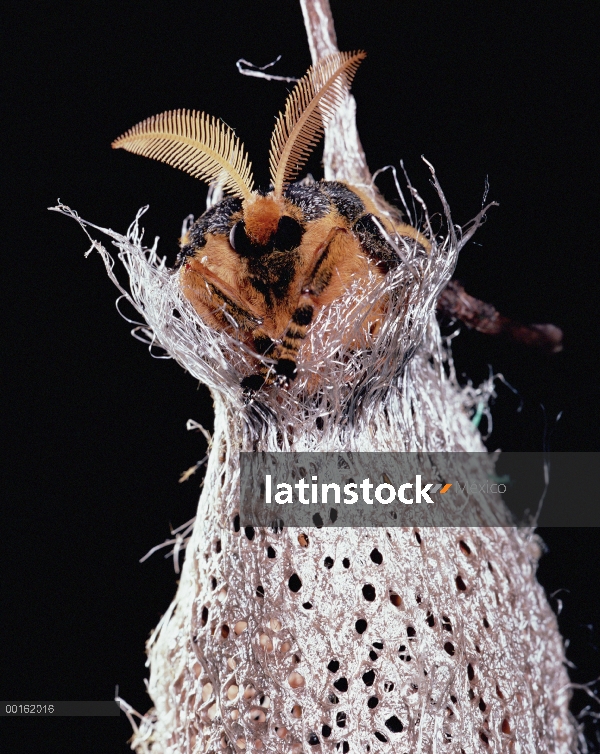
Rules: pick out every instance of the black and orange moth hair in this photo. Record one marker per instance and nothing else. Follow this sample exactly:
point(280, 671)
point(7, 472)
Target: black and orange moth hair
point(261, 264)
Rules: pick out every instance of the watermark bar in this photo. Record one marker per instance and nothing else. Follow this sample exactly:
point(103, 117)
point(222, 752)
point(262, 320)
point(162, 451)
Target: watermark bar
point(59, 709)
point(419, 489)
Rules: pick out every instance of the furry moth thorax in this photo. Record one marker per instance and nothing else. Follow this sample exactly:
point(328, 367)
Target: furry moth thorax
point(260, 265)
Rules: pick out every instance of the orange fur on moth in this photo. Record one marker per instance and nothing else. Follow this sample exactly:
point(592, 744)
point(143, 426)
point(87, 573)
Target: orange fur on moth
point(261, 216)
point(260, 265)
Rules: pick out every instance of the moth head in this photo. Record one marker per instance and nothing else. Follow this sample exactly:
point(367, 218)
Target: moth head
point(261, 217)
point(208, 149)
point(265, 227)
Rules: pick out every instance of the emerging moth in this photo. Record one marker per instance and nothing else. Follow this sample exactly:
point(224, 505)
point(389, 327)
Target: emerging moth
point(260, 264)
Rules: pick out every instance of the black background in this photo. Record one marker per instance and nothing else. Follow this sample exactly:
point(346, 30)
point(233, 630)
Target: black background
point(95, 429)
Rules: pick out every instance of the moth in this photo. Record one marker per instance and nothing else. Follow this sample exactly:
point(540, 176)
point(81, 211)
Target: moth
point(260, 264)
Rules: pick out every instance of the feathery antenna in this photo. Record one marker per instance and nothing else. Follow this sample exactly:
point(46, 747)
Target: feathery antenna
point(310, 106)
point(194, 142)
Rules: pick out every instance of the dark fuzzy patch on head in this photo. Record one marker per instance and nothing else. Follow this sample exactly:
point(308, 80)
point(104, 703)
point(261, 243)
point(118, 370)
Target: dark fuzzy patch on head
point(347, 203)
point(217, 219)
point(309, 199)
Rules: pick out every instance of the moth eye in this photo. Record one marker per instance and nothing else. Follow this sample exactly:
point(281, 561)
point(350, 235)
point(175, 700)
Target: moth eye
point(239, 240)
point(289, 234)
point(232, 234)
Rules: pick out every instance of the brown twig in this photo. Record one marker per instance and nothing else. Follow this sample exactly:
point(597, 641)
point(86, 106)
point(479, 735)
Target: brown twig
point(456, 303)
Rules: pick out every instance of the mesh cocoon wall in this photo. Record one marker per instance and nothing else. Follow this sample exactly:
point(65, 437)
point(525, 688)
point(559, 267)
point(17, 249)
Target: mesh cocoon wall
point(344, 639)
point(347, 639)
